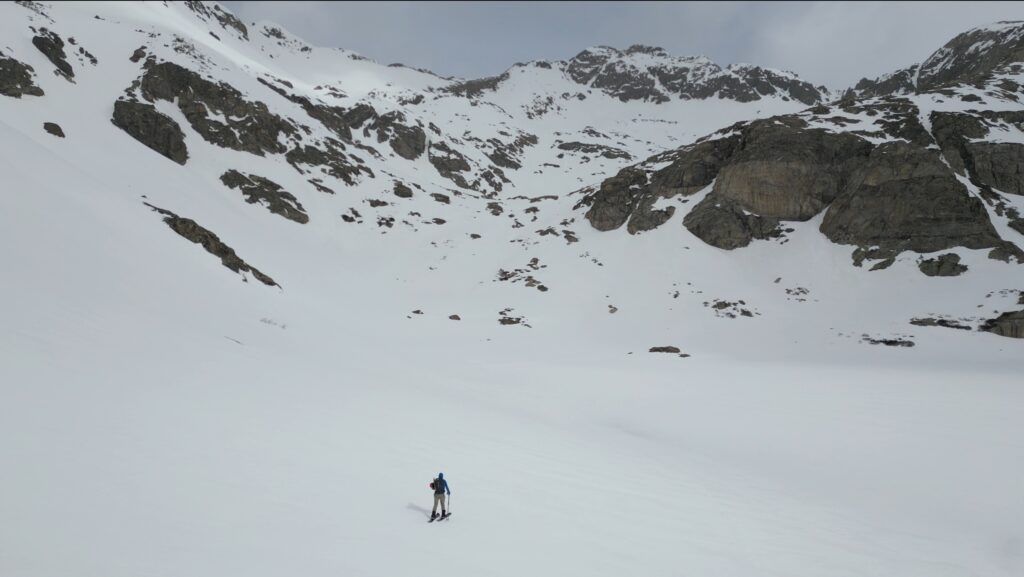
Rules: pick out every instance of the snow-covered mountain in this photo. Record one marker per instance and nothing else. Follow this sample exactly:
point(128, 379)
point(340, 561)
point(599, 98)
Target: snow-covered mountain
point(256, 292)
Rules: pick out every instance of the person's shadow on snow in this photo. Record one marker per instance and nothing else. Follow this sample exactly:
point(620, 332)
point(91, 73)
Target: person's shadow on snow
point(416, 507)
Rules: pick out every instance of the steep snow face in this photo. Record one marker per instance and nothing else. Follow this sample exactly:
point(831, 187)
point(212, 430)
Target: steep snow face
point(251, 310)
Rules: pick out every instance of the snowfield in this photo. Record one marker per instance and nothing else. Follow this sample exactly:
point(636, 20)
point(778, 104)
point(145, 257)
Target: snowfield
point(160, 417)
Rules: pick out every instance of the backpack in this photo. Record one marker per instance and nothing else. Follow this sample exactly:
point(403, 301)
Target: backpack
point(437, 486)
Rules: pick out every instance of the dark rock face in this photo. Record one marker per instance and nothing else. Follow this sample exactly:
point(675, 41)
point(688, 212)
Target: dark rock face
point(943, 265)
point(722, 223)
point(892, 197)
point(54, 129)
point(191, 230)
point(150, 127)
point(785, 172)
point(906, 198)
point(668, 349)
point(250, 126)
point(449, 163)
point(1009, 324)
point(258, 189)
point(998, 165)
point(952, 130)
point(16, 79)
point(442, 198)
point(52, 46)
point(695, 168)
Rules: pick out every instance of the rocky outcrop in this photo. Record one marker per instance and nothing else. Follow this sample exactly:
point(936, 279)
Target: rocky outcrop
point(329, 158)
point(210, 242)
point(723, 223)
point(145, 123)
point(335, 118)
point(897, 83)
point(886, 198)
point(1009, 324)
point(906, 198)
point(474, 88)
point(609, 152)
point(945, 323)
point(449, 163)
point(247, 126)
point(943, 265)
point(409, 142)
point(16, 78)
point(613, 203)
point(629, 196)
point(402, 191)
point(52, 46)
point(54, 129)
point(258, 189)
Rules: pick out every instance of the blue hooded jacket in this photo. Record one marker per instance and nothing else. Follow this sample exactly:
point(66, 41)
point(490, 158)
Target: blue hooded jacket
point(443, 488)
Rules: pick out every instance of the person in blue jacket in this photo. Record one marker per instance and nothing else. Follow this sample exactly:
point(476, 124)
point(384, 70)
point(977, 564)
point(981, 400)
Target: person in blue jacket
point(440, 487)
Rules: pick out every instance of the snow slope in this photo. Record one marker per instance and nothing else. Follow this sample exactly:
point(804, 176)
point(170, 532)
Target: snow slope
point(161, 417)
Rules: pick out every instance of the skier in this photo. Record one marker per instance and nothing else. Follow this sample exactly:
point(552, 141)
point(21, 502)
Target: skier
point(440, 487)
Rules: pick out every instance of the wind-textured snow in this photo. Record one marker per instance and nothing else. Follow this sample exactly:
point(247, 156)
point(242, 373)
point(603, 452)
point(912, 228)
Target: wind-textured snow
point(160, 417)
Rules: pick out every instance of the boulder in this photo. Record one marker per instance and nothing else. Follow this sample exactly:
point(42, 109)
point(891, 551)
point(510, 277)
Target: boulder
point(54, 129)
point(723, 223)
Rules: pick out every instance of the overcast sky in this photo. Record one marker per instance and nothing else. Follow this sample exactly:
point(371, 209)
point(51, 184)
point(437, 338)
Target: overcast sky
point(831, 43)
